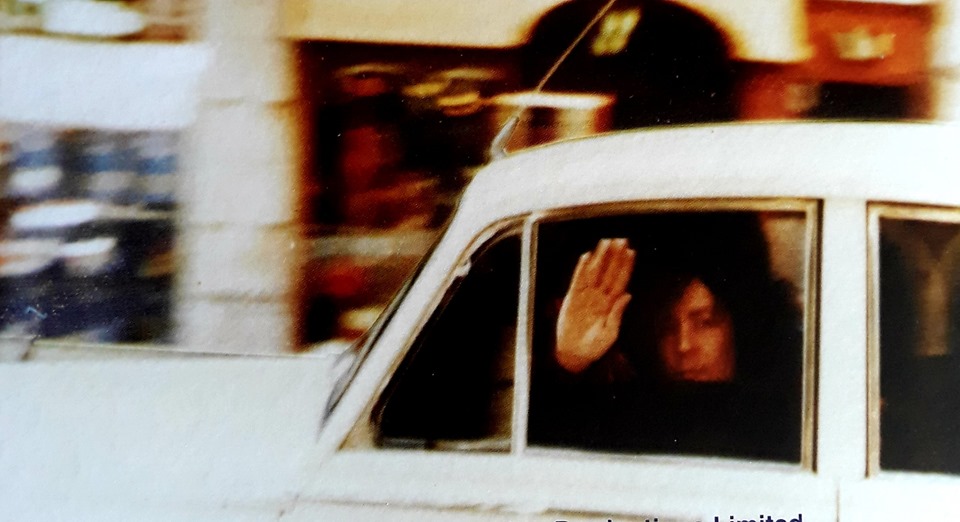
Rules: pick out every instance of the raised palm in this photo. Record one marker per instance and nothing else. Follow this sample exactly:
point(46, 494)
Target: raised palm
point(593, 307)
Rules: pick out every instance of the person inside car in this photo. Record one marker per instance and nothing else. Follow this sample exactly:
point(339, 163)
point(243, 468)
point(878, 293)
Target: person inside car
point(678, 340)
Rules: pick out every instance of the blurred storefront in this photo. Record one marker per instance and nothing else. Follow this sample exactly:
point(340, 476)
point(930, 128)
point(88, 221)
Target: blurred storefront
point(259, 177)
point(149, 181)
point(405, 96)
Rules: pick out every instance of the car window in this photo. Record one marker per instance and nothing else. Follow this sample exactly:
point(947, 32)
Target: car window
point(674, 331)
point(454, 390)
point(356, 355)
point(716, 333)
point(917, 336)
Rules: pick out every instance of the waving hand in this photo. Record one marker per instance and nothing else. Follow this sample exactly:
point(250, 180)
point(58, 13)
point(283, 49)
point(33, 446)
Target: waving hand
point(593, 307)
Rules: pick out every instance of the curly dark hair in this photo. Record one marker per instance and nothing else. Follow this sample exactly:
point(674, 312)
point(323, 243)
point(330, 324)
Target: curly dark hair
point(728, 253)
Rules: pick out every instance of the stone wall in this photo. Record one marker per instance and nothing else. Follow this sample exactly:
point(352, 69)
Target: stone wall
point(240, 239)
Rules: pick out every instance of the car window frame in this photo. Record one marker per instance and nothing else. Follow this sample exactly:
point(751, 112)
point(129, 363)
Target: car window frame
point(528, 227)
point(366, 420)
point(453, 286)
point(877, 210)
point(365, 344)
point(811, 207)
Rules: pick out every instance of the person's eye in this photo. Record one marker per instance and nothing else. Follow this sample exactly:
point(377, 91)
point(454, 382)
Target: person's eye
point(709, 320)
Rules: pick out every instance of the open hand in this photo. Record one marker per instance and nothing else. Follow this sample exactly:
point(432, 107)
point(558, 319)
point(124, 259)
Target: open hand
point(590, 316)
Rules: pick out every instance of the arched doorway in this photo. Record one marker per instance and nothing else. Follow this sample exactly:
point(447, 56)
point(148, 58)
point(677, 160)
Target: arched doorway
point(664, 63)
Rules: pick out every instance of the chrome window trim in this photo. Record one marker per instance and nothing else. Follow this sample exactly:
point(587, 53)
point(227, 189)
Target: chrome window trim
point(678, 205)
point(813, 210)
point(877, 210)
point(811, 332)
point(523, 346)
point(584, 455)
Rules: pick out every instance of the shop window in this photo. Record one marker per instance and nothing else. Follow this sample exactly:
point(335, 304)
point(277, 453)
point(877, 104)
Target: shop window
point(165, 20)
point(917, 279)
point(674, 333)
point(397, 133)
point(455, 388)
point(87, 235)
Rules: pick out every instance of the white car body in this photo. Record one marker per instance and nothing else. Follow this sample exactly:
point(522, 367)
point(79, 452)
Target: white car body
point(248, 438)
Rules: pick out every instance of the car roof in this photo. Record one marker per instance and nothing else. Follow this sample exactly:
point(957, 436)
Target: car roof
point(902, 162)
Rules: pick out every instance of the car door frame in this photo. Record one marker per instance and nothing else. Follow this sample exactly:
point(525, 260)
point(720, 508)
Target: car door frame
point(593, 483)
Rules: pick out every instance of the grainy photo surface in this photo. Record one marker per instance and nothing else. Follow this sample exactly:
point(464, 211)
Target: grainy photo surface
point(538, 260)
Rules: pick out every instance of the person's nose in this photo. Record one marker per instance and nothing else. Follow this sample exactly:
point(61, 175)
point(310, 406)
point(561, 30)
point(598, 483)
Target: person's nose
point(686, 338)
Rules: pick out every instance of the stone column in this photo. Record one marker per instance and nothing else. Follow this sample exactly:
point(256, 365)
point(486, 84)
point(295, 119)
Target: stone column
point(240, 240)
point(945, 72)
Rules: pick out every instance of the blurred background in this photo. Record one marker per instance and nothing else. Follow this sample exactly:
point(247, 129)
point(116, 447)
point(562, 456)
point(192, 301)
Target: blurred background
point(260, 177)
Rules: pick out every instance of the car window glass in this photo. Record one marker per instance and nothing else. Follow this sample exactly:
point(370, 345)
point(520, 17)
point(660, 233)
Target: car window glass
point(354, 357)
point(454, 390)
point(671, 333)
point(919, 332)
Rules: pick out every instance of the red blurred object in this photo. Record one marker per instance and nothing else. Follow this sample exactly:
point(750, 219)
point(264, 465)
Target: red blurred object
point(339, 278)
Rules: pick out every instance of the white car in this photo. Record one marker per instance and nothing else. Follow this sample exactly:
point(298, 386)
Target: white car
point(817, 383)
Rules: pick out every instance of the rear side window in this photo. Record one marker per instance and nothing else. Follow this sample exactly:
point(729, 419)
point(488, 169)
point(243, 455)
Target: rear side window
point(916, 280)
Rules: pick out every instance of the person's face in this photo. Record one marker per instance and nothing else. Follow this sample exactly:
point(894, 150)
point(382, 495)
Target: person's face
point(696, 343)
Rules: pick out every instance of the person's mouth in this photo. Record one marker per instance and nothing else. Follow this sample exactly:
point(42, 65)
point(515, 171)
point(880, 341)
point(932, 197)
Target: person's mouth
point(690, 374)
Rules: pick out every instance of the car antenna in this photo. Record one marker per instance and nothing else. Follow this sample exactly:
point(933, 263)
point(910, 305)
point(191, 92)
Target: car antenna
point(498, 147)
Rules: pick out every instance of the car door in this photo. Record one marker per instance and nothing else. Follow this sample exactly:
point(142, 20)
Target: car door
point(455, 411)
